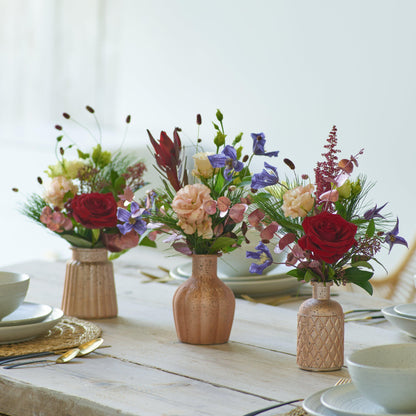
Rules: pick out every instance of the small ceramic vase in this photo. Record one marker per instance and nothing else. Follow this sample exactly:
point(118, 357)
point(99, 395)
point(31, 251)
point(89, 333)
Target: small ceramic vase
point(203, 306)
point(320, 331)
point(89, 290)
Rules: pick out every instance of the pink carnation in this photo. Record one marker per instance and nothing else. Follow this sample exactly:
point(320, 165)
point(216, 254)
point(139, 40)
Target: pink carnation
point(188, 205)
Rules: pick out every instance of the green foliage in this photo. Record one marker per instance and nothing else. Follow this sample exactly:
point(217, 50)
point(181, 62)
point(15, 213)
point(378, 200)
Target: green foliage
point(359, 277)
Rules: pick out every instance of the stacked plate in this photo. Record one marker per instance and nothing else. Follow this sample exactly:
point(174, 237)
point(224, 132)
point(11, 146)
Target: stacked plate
point(403, 317)
point(274, 282)
point(344, 400)
point(28, 321)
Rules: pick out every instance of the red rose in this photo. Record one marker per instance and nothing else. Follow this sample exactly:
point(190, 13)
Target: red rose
point(328, 236)
point(95, 210)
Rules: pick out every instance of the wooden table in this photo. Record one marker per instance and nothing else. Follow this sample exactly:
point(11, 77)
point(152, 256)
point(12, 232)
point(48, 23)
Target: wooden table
point(147, 372)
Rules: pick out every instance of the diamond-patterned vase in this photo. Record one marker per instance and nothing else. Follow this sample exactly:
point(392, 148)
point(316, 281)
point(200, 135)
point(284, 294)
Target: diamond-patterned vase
point(320, 341)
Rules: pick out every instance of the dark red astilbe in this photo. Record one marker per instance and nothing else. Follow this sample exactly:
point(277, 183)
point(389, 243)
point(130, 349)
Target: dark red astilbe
point(327, 170)
point(134, 176)
point(367, 247)
point(168, 157)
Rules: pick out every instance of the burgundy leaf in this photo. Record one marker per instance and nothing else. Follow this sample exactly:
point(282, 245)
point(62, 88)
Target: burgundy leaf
point(255, 217)
point(286, 240)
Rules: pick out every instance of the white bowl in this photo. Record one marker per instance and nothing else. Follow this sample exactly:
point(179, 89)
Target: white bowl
point(13, 289)
point(386, 375)
point(236, 264)
point(406, 324)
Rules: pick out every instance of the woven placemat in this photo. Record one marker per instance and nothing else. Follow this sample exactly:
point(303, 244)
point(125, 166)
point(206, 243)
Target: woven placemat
point(69, 332)
point(296, 412)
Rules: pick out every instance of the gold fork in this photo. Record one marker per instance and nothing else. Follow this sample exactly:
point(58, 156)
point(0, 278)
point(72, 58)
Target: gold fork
point(343, 380)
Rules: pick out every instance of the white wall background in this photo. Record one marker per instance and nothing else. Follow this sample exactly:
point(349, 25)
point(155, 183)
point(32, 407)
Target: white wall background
point(288, 68)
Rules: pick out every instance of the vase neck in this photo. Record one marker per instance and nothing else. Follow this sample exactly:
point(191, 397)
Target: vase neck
point(89, 255)
point(204, 266)
point(321, 290)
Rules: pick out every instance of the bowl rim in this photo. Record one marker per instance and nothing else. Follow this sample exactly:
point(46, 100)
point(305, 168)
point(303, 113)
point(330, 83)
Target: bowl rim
point(350, 359)
point(23, 277)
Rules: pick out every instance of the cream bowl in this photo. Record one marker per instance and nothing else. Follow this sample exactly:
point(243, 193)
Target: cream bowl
point(13, 289)
point(386, 375)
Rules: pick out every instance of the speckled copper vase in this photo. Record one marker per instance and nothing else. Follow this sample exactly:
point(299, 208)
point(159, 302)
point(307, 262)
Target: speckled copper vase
point(89, 290)
point(203, 306)
point(320, 342)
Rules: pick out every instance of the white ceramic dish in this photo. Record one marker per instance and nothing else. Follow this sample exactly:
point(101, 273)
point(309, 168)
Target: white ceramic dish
point(407, 325)
point(256, 287)
point(27, 313)
point(346, 400)
point(314, 407)
point(385, 375)
point(280, 271)
point(406, 309)
point(19, 333)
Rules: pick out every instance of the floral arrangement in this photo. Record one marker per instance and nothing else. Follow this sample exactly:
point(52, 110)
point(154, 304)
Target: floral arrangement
point(81, 198)
point(326, 227)
point(202, 212)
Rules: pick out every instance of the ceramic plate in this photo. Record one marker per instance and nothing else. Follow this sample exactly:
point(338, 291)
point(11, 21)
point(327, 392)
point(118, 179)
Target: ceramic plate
point(347, 401)
point(406, 309)
point(27, 313)
point(407, 325)
point(257, 286)
point(314, 407)
point(280, 271)
point(19, 333)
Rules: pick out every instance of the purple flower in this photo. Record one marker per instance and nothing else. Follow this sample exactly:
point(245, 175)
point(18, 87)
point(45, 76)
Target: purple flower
point(259, 141)
point(132, 220)
point(263, 255)
point(265, 178)
point(374, 213)
point(228, 159)
point(392, 238)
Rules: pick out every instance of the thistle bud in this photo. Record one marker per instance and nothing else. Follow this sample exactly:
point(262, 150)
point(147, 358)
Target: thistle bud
point(40, 180)
point(66, 115)
point(245, 158)
point(128, 119)
point(58, 127)
point(289, 163)
point(198, 119)
point(90, 109)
